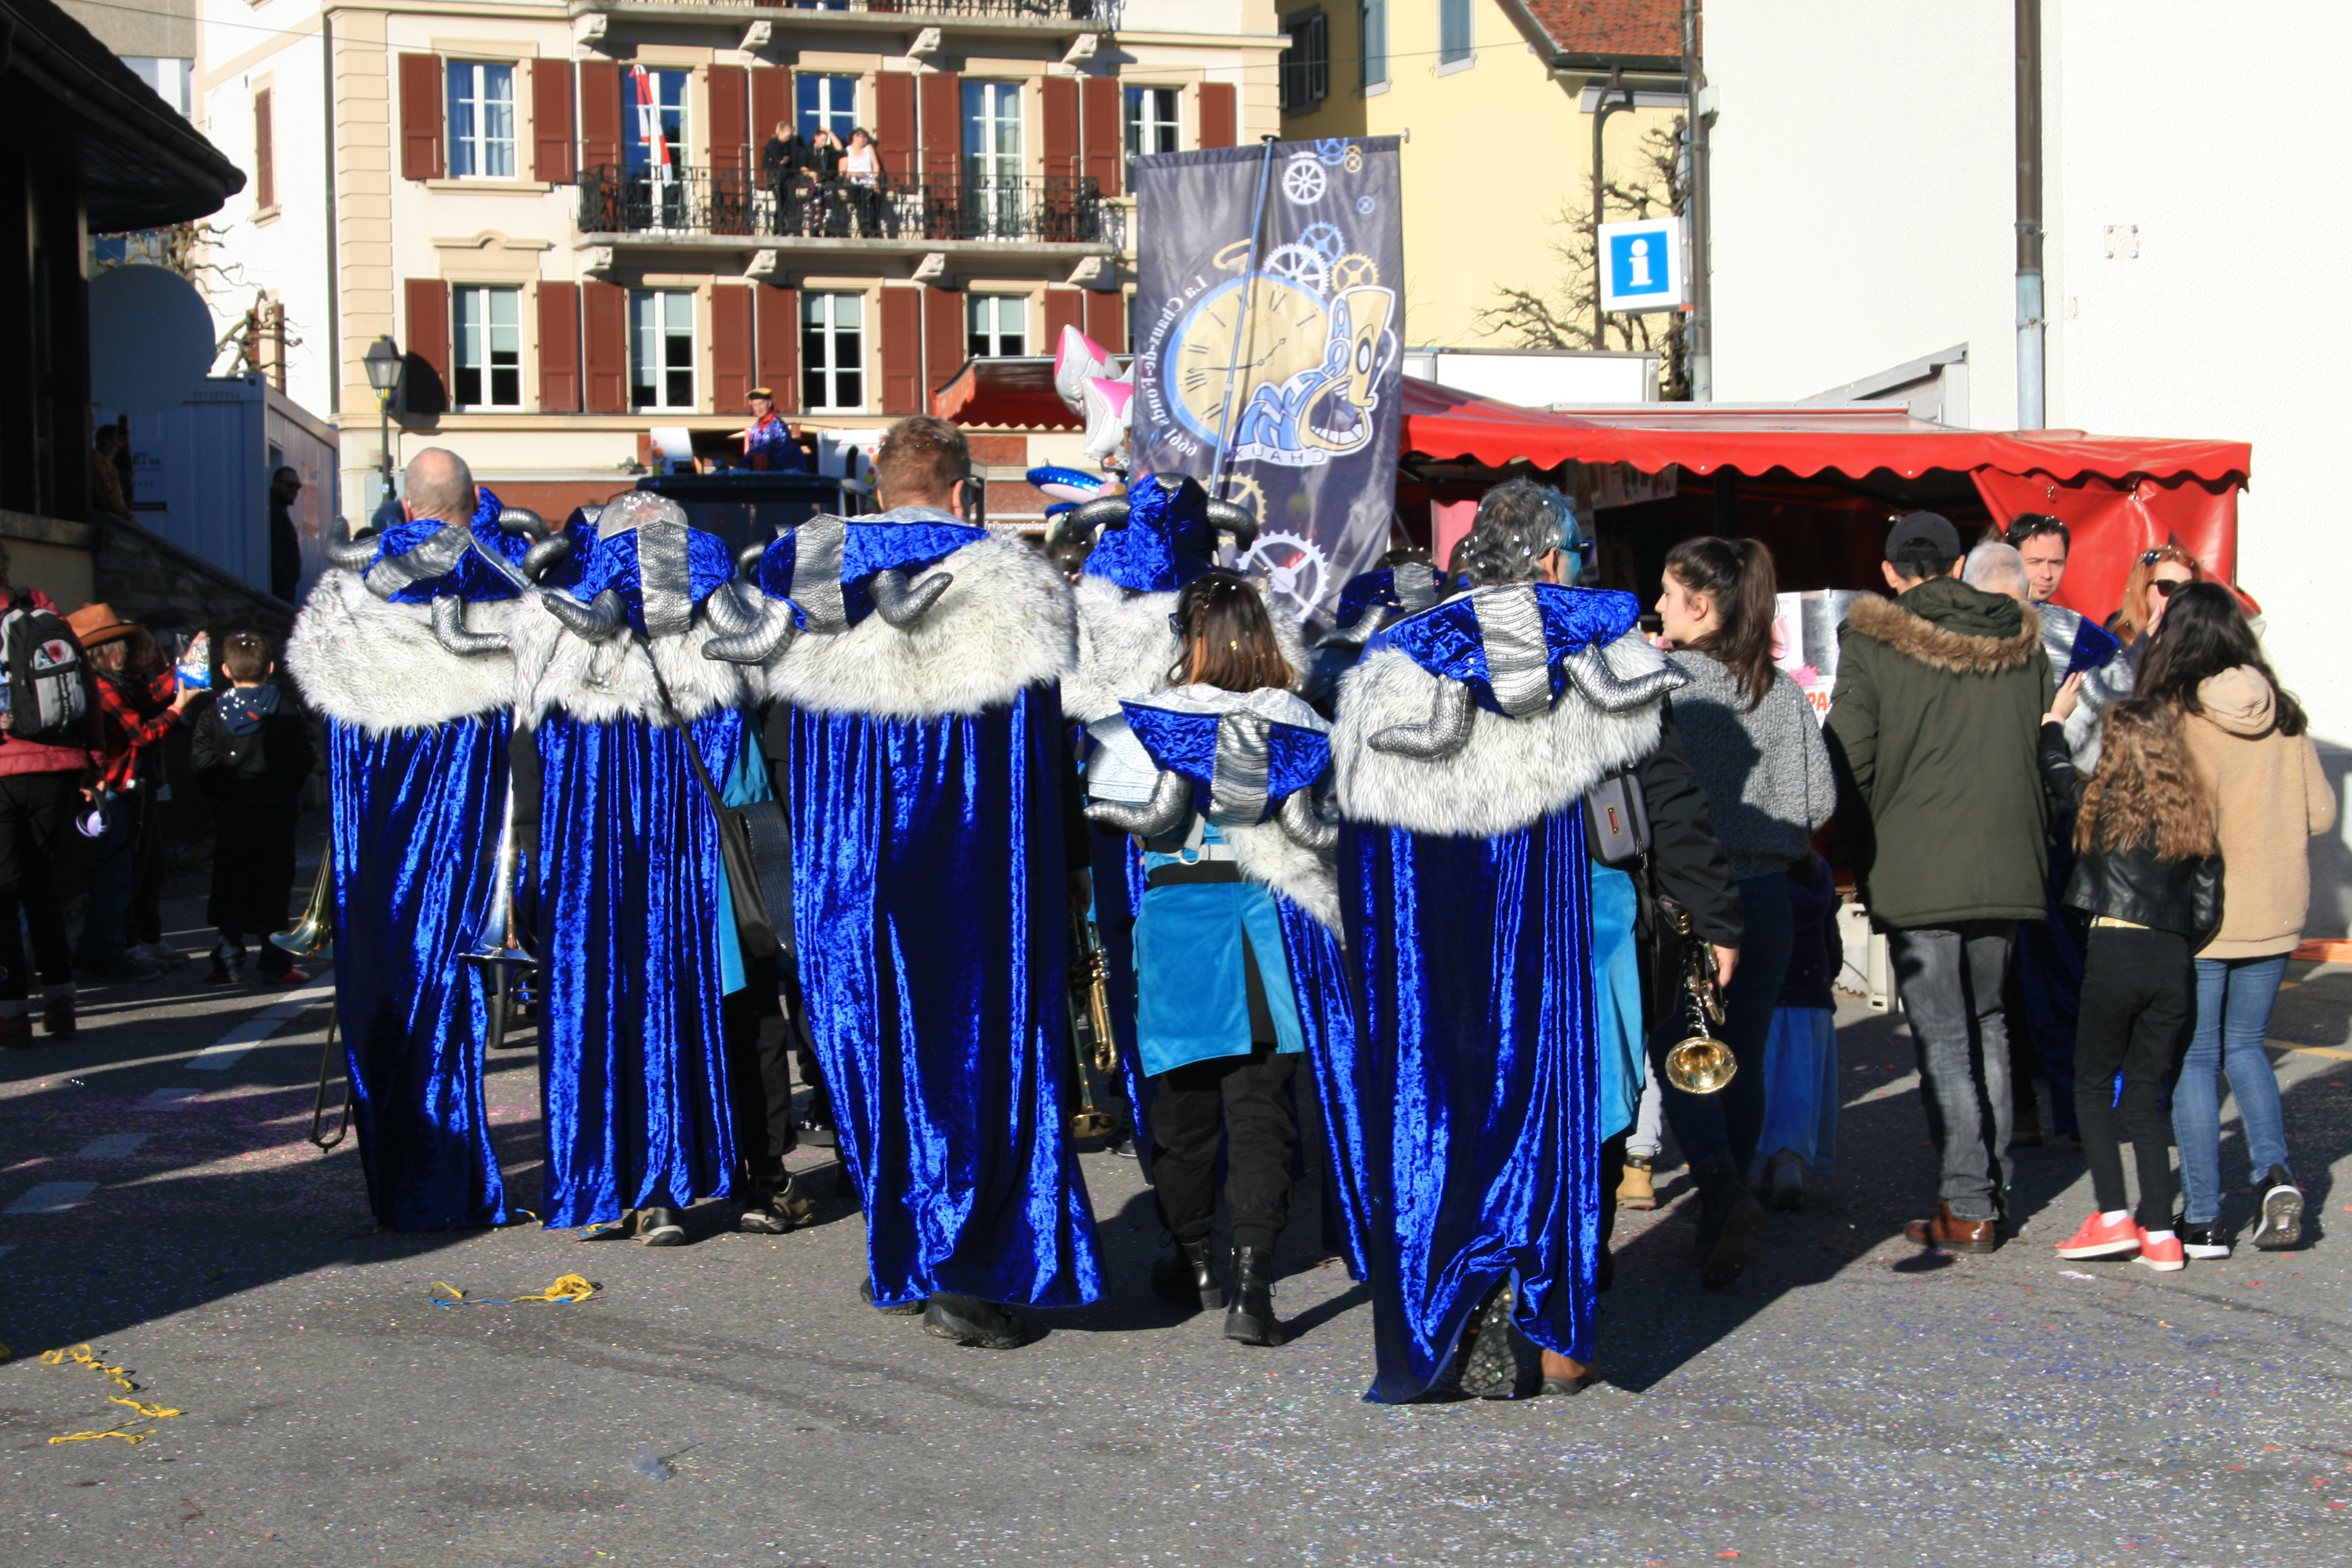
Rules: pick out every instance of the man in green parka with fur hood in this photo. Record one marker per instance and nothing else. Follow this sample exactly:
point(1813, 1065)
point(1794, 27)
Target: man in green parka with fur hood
point(1932, 729)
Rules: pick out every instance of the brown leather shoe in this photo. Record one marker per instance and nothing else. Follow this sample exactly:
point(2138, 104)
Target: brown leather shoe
point(1953, 1234)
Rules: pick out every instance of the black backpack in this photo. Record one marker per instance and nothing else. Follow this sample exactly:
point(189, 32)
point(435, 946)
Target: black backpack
point(50, 695)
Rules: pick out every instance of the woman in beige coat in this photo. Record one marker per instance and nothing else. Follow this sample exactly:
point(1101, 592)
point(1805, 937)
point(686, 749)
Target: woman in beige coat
point(2271, 798)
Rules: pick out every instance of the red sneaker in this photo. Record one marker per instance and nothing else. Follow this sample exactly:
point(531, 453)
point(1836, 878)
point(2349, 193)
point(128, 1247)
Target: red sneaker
point(2103, 1239)
point(2164, 1255)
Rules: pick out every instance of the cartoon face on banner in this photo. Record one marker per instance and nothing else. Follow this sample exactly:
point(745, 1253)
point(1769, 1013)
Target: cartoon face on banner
point(1271, 370)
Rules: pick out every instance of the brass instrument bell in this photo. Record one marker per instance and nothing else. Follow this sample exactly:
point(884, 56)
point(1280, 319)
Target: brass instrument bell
point(315, 931)
point(1699, 1063)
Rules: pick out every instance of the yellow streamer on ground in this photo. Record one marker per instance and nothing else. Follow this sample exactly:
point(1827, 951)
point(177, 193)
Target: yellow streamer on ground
point(569, 1288)
point(78, 1355)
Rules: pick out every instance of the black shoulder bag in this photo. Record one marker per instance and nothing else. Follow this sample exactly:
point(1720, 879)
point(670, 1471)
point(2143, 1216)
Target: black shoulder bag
point(755, 845)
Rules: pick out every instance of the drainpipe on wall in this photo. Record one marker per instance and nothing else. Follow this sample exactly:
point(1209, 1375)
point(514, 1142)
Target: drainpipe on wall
point(1601, 110)
point(2032, 413)
point(1699, 354)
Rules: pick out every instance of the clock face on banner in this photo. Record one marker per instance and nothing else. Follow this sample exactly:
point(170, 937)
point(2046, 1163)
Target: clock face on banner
point(1268, 312)
point(1215, 354)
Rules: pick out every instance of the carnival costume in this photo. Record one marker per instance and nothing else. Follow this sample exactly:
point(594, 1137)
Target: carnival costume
point(1237, 956)
point(624, 872)
point(919, 747)
point(1464, 741)
point(1148, 544)
point(402, 648)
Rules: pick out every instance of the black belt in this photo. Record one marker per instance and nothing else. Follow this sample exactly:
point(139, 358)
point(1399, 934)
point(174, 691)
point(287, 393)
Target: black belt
point(1176, 874)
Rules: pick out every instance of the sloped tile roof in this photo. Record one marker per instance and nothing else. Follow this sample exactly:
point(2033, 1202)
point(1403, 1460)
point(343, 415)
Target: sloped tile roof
point(1611, 27)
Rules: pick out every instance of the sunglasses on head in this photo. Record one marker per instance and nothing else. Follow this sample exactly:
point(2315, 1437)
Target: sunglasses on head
point(2165, 552)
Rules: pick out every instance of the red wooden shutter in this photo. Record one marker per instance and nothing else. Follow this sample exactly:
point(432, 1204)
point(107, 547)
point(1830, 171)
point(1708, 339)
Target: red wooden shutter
point(731, 125)
point(943, 100)
point(551, 125)
point(1105, 151)
point(1105, 320)
point(779, 360)
point(420, 118)
point(730, 346)
point(894, 122)
point(1062, 307)
point(424, 386)
point(600, 113)
point(605, 343)
point(1060, 96)
point(1216, 114)
point(945, 339)
point(772, 101)
point(902, 350)
point(558, 343)
point(265, 154)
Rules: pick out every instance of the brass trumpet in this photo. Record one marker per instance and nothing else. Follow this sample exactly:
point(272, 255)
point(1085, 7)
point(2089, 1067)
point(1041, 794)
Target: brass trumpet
point(1699, 1063)
point(315, 931)
point(1090, 1016)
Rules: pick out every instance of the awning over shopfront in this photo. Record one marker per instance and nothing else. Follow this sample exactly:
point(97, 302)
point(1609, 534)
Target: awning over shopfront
point(2118, 495)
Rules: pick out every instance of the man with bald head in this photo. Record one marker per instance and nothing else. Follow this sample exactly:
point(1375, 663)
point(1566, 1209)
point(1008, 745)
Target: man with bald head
point(417, 773)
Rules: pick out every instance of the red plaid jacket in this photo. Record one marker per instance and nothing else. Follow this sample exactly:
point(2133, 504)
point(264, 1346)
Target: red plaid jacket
point(137, 715)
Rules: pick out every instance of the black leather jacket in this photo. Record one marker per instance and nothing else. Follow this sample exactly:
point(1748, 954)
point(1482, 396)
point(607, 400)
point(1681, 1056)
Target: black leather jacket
point(2182, 895)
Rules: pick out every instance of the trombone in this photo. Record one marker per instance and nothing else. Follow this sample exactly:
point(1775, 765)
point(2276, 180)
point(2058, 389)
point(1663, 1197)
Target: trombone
point(498, 950)
point(315, 931)
point(1699, 1063)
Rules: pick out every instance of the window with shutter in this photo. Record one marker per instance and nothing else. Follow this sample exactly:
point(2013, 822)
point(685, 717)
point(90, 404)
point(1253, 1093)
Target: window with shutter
point(1061, 309)
point(730, 346)
point(420, 117)
point(902, 350)
point(833, 351)
point(559, 346)
point(1100, 98)
point(777, 313)
point(425, 374)
point(772, 108)
point(894, 121)
point(944, 333)
point(600, 114)
point(1105, 320)
point(265, 154)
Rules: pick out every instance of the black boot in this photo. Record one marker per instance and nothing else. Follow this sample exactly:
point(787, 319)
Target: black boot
point(1249, 1317)
point(1728, 1216)
point(774, 1204)
point(659, 1227)
point(1490, 1364)
point(1188, 1276)
point(969, 1320)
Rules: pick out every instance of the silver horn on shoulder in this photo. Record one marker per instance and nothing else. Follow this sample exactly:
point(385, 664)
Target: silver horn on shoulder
point(449, 630)
point(1611, 692)
point(344, 552)
point(747, 560)
point(1230, 518)
point(902, 605)
point(549, 549)
point(750, 634)
point(1305, 827)
point(1446, 730)
point(1094, 516)
point(597, 621)
point(1172, 798)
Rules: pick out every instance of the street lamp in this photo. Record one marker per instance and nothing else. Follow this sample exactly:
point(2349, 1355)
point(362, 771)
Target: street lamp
point(383, 366)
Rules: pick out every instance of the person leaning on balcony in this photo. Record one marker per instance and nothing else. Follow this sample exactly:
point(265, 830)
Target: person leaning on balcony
point(861, 172)
point(782, 162)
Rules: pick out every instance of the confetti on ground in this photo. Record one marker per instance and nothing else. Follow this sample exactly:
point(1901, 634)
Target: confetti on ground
point(567, 1289)
point(78, 1355)
point(51, 1197)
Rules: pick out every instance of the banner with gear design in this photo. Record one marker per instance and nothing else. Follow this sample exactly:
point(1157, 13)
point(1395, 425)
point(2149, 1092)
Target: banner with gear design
point(1291, 369)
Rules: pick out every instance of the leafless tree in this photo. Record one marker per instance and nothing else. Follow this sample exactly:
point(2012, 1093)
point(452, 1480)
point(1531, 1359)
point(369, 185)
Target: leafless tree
point(1562, 316)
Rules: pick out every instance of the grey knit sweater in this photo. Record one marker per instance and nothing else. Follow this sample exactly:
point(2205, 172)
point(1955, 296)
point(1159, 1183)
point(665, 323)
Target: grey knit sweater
point(1766, 773)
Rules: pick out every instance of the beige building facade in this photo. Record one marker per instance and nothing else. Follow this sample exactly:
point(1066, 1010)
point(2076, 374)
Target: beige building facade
point(583, 220)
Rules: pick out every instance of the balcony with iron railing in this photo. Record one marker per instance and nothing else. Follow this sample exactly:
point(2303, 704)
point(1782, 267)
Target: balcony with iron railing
point(1050, 16)
point(741, 209)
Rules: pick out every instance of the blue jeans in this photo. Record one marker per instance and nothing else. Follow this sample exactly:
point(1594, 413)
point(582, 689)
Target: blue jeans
point(2233, 1013)
point(1727, 1123)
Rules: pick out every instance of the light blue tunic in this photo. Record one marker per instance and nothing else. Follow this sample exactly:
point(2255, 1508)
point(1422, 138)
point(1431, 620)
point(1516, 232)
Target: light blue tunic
point(1192, 992)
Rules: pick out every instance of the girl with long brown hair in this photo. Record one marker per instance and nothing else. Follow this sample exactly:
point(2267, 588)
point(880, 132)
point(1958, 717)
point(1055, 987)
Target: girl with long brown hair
point(1218, 1028)
point(1757, 751)
point(2147, 872)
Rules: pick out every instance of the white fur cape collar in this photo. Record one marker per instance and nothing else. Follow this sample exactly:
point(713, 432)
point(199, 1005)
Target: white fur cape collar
point(1004, 625)
point(367, 662)
point(1126, 649)
point(1512, 772)
point(599, 682)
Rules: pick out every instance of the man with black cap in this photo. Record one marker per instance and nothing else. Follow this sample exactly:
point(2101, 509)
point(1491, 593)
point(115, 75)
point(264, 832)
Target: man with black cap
point(1933, 730)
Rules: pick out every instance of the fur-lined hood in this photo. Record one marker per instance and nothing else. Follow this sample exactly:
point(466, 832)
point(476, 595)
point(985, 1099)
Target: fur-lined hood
point(363, 661)
point(1942, 647)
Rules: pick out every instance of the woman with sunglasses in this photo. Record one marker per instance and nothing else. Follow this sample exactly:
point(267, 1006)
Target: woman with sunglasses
point(2155, 575)
point(2248, 741)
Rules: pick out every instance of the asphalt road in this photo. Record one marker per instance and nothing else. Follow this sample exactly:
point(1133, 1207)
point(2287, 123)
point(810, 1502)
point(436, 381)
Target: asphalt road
point(1852, 1400)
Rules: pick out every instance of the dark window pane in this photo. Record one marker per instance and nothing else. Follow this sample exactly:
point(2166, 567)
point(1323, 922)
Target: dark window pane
point(1011, 343)
point(469, 384)
point(505, 386)
point(849, 386)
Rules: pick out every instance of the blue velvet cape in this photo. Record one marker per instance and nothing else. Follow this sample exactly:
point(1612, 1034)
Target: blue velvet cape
point(1466, 1121)
point(633, 1074)
point(929, 897)
point(415, 863)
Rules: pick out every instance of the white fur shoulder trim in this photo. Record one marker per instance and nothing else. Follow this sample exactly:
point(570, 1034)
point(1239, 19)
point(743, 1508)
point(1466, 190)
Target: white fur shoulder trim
point(1125, 647)
point(363, 661)
point(1512, 772)
point(1004, 625)
point(1268, 855)
point(600, 682)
